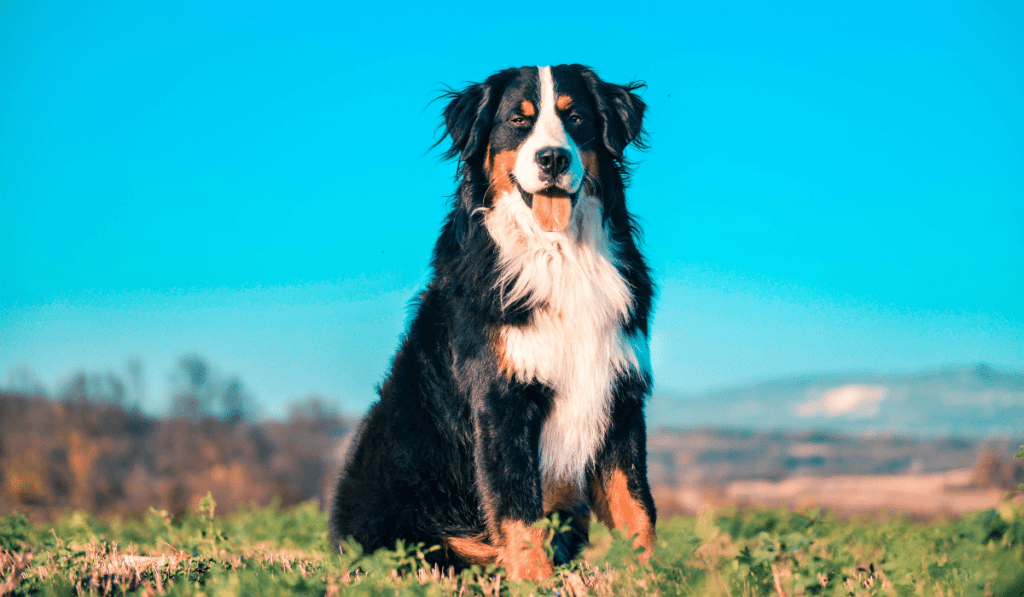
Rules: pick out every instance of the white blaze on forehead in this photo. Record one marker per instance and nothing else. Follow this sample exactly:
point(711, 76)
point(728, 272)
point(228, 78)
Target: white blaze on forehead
point(548, 131)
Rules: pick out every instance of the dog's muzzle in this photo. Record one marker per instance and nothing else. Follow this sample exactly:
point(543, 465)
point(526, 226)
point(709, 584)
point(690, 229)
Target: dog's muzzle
point(552, 207)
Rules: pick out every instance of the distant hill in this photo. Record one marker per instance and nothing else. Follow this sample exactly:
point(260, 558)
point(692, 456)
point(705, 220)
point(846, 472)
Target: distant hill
point(979, 401)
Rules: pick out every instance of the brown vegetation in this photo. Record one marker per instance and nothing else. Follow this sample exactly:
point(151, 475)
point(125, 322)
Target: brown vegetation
point(997, 470)
point(105, 458)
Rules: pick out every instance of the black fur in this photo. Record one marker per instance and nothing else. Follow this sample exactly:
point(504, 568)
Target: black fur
point(452, 445)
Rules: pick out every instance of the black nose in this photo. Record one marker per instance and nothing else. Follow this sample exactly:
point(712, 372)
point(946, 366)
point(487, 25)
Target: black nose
point(553, 160)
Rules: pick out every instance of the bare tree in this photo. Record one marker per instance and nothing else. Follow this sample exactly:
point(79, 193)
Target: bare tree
point(22, 379)
point(192, 388)
point(136, 382)
point(200, 392)
point(94, 387)
point(235, 402)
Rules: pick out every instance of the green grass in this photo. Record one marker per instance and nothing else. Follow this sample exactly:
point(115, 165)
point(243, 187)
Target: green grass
point(271, 551)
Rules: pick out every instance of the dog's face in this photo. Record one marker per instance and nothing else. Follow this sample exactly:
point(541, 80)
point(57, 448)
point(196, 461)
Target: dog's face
point(543, 133)
point(542, 143)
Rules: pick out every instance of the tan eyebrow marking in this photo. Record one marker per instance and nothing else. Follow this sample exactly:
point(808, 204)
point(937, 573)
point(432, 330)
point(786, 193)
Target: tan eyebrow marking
point(563, 103)
point(527, 108)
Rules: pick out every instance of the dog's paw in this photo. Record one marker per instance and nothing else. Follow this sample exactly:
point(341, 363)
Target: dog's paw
point(529, 565)
point(522, 552)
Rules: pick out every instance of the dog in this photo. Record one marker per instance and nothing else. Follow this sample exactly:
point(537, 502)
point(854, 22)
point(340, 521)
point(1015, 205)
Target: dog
point(519, 386)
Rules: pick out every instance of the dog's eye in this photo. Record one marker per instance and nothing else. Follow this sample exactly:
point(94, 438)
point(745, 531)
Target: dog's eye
point(519, 120)
point(575, 119)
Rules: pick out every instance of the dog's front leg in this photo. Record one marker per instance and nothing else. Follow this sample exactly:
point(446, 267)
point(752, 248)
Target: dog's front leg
point(620, 493)
point(508, 424)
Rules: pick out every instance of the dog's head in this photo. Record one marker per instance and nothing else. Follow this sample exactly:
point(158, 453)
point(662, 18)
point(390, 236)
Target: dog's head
point(544, 134)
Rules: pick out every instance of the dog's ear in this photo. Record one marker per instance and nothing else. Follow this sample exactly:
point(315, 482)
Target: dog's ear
point(466, 121)
point(620, 112)
point(469, 115)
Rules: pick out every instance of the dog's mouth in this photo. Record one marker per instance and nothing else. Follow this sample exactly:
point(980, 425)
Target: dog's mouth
point(552, 207)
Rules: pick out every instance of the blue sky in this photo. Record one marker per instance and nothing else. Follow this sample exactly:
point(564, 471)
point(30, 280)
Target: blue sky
point(830, 187)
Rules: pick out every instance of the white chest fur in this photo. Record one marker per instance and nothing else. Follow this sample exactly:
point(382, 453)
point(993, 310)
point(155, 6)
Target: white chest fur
point(574, 342)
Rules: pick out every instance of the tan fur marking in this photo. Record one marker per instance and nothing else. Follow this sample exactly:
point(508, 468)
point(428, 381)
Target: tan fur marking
point(527, 108)
point(589, 159)
point(473, 550)
point(502, 165)
point(564, 496)
point(505, 365)
point(616, 507)
point(521, 560)
point(486, 499)
point(563, 103)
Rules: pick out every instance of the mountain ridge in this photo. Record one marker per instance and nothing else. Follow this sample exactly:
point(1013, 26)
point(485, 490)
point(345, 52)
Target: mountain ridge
point(973, 401)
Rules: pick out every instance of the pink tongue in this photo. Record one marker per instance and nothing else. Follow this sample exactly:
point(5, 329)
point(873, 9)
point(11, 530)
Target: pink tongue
point(552, 213)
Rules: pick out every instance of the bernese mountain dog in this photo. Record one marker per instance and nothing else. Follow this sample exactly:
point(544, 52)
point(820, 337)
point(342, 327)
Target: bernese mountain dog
point(518, 389)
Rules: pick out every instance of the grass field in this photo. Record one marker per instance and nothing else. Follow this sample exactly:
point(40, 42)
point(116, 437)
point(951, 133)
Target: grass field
point(274, 551)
